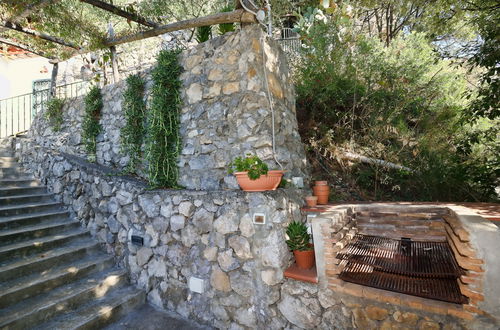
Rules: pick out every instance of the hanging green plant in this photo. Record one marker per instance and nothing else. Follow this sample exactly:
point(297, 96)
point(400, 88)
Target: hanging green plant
point(163, 140)
point(226, 27)
point(134, 108)
point(90, 125)
point(54, 113)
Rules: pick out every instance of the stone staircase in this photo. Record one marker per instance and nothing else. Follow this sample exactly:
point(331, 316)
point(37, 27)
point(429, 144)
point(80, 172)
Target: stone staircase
point(53, 274)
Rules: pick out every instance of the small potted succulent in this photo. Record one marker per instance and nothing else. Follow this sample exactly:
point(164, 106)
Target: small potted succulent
point(298, 242)
point(253, 174)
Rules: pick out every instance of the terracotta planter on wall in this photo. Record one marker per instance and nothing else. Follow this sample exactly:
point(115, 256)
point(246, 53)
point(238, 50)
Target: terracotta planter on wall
point(322, 191)
point(311, 201)
point(270, 181)
point(304, 259)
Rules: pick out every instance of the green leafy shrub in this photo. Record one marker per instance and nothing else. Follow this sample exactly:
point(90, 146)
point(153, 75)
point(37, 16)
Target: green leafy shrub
point(298, 237)
point(90, 125)
point(134, 108)
point(251, 164)
point(203, 33)
point(226, 27)
point(54, 113)
point(163, 141)
point(399, 102)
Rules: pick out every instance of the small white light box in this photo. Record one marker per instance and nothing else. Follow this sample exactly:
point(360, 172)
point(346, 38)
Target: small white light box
point(259, 218)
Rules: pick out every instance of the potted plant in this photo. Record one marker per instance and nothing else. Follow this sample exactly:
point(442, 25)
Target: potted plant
point(298, 242)
point(253, 174)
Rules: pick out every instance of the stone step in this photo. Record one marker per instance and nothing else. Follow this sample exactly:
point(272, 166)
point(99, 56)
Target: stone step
point(44, 260)
point(99, 312)
point(21, 191)
point(61, 300)
point(24, 233)
point(19, 183)
point(26, 199)
point(19, 289)
point(13, 172)
point(16, 221)
point(29, 208)
point(39, 245)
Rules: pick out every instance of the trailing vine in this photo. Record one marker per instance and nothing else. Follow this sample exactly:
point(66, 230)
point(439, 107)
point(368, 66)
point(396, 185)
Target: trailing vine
point(54, 113)
point(91, 126)
point(132, 133)
point(163, 140)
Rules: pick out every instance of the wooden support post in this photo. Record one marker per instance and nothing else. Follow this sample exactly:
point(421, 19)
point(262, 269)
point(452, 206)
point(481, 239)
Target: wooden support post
point(53, 79)
point(238, 15)
point(114, 64)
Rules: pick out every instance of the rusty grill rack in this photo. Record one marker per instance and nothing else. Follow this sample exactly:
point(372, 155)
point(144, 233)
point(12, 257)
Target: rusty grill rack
point(423, 259)
point(424, 269)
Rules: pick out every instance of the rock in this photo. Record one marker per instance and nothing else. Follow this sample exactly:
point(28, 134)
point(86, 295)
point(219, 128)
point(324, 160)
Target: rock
point(246, 226)
point(177, 222)
point(219, 280)
point(298, 313)
point(326, 298)
point(166, 210)
point(124, 197)
point(189, 236)
point(246, 316)
point(241, 284)
point(376, 313)
point(194, 93)
point(148, 206)
point(230, 88)
point(275, 251)
point(210, 253)
point(333, 318)
point(406, 317)
point(361, 320)
point(428, 325)
point(271, 276)
point(226, 261)
point(241, 247)
point(114, 226)
point(155, 298)
point(143, 255)
point(160, 225)
point(186, 209)
point(157, 268)
point(226, 223)
point(203, 220)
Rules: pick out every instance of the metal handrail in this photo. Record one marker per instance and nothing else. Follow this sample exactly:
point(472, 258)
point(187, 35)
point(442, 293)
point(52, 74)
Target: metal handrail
point(17, 112)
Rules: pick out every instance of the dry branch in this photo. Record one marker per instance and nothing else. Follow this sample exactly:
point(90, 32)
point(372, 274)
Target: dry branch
point(24, 47)
point(120, 12)
point(41, 35)
point(235, 16)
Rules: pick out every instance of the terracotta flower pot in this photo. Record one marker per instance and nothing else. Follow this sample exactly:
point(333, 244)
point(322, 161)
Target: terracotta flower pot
point(270, 181)
point(311, 201)
point(321, 183)
point(322, 191)
point(304, 259)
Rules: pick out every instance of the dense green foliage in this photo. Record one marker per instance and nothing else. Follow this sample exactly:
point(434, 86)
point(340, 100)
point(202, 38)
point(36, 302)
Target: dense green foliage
point(163, 141)
point(134, 108)
point(54, 112)
point(298, 237)
point(91, 126)
point(251, 164)
point(203, 33)
point(397, 101)
point(226, 27)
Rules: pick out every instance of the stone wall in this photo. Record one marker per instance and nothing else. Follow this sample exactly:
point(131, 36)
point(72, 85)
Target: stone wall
point(226, 113)
point(202, 234)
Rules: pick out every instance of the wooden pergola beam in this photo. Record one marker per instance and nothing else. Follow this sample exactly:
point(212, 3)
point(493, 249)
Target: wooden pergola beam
point(24, 47)
point(41, 35)
point(236, 16)
point(120, 12)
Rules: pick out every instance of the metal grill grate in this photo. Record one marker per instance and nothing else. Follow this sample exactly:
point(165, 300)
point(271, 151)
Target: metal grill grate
point(425, 269)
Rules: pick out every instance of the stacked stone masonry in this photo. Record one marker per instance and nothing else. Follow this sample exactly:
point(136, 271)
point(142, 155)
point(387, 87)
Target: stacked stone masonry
point(226, 113)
